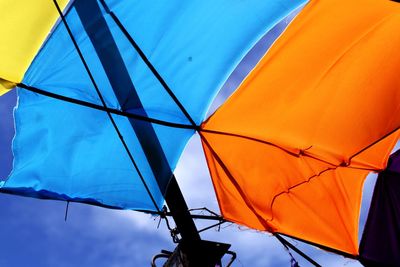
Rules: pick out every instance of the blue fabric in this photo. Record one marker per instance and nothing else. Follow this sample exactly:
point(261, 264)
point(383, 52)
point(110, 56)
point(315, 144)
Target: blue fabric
point(69, 152)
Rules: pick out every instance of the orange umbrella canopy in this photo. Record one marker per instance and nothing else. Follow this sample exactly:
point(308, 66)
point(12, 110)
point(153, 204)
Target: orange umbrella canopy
point(289, 151)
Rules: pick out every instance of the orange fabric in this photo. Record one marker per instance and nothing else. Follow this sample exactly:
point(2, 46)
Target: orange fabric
point(305, 124)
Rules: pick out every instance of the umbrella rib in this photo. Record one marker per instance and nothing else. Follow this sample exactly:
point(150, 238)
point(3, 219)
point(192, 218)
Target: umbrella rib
point(339, 252)
point(288, 245)
point(148, 63)
point(104, 104)
point(262, 221)
point(236, 185)
point(303, 152)
point(249, 138)
point(347, 165)
point(105, 108)
point(374, 143)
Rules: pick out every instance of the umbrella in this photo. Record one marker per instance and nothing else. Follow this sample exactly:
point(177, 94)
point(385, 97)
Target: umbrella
point(133, 83)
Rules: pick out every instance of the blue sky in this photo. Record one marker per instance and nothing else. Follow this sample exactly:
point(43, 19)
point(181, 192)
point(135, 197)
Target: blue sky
point(33, 232)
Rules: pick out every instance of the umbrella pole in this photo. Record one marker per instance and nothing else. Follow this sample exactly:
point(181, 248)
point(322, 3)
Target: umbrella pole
point(180, 212)
point(191, 250)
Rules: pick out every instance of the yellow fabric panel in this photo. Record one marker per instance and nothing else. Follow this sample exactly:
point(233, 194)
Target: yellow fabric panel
point(326, 91)
point(5, 86)
point(25, 24)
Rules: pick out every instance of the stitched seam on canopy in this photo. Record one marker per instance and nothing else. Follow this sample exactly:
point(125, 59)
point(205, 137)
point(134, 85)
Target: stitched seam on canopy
point(317, 175)
point(302, 152)
point(347, 165)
